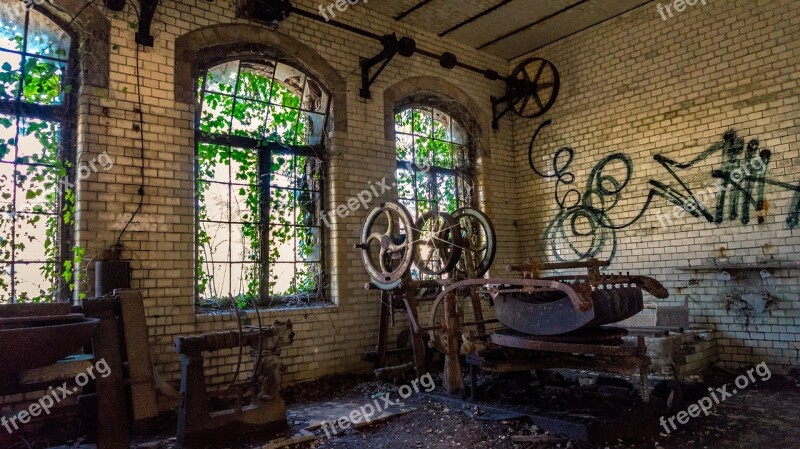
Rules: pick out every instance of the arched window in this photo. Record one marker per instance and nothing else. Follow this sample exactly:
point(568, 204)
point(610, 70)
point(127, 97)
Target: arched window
point(434, 163)
point(260, 176)
point(36, 202)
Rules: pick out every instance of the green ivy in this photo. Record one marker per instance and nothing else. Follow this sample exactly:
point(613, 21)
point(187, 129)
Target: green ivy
point(425, 137)
point(36, 175)
point(239, 109)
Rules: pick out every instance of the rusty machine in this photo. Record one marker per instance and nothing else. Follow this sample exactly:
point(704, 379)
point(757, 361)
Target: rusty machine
point(541, 321)
point(443, 248)
point(265, 410)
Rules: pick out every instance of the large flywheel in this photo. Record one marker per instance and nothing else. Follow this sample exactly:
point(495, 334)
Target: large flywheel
point(387, 245)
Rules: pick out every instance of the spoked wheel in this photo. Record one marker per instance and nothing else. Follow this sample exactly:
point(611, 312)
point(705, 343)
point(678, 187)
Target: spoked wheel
point(479, 245)
point(436, 318)
point(438, 243)
point(386, 244)
point(534, 85)
point(479, 241)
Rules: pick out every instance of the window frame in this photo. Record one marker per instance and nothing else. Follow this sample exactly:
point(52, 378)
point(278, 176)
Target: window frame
point(65, 115)
point(264, 149)
point(459, 172)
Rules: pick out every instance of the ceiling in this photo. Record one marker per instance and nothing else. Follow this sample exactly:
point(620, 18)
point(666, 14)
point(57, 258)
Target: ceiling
point(506, 28)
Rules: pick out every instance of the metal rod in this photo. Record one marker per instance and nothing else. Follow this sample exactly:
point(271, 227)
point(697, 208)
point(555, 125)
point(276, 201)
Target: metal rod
point(468, 323)
point(425, 283)
point(377, 37)
point(336, 23)
point(471, 68)
point(458, 64)
point(558, 265)
point(475, 323)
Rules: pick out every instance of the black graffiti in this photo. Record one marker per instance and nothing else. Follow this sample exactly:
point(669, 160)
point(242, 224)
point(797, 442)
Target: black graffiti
point(585, 227)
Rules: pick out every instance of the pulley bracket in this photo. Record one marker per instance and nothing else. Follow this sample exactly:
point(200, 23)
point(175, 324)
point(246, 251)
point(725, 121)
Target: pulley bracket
point(527, 96)
point(405, 47)
point(146, 13)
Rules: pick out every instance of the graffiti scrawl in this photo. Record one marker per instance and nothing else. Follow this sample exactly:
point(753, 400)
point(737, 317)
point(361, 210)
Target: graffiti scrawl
point(584, 227)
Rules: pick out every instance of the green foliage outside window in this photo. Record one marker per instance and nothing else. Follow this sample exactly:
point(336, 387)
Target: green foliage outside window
point(433, 162)
point(259, 236)
point(33, 203)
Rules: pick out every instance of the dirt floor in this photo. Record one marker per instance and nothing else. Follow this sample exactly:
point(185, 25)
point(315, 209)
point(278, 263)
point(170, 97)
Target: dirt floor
point(765, 414)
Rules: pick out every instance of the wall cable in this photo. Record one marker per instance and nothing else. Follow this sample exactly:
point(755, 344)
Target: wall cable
point(118, 244)
point(88, 4)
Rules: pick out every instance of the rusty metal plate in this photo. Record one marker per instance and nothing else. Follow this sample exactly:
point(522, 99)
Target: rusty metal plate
point(598, 335)
point(549, 312)
point(512, 339)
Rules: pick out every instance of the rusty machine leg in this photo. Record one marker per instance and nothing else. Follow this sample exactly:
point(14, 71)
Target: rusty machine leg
point(417, 343)
point(644, 368)
point(266, 412)
point(383, 329)
point(453, 380)
point(193, 408)
point(477, 309)
point(112, 405)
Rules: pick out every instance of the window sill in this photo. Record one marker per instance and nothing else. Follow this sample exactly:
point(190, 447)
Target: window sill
point(208, 315)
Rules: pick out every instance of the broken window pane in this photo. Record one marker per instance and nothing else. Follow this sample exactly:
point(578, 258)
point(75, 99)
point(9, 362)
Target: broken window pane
point(259, 201)
point(36, 207)
point(441, 168)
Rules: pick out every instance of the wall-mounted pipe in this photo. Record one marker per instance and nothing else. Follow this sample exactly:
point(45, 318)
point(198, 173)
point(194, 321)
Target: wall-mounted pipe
point(447, 60)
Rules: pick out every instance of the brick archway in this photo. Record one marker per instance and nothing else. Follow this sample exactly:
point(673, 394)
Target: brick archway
point(206, 45)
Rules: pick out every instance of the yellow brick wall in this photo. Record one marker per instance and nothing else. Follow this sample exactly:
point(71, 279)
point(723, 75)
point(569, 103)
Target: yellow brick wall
point(635, 84)
point(644, 86)
point(160, 240)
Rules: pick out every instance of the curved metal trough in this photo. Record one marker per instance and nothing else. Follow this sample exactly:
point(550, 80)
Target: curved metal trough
point(554, 306)
point(35, 341)
point(552, 312)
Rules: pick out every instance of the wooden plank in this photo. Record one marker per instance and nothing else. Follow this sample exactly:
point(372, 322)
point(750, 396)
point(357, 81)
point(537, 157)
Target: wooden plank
point(113, 428)
point(31, 309)
point(619, 365)
point(294, 441)
point(453, 381)
point(565, 348)
point(64, 369)
point(137, 345)
point(416, 338)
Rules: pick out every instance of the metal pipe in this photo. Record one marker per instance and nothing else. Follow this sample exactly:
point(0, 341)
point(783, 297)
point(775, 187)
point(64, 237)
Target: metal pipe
point(475, 323)
point(336, 23)
point(558, 265)
point(377, 37)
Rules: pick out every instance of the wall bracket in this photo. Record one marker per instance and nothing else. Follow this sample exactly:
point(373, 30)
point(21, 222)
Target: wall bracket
point(146, 13)
point(391, 48)
point(528, 96)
